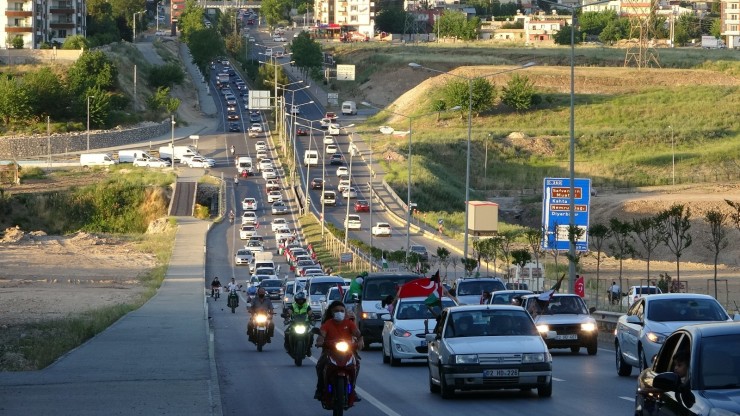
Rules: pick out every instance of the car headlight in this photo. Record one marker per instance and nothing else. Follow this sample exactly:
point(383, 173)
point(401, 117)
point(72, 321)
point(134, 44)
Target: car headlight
point(589, 326)
point(401, 333)
point(300, 329)
point(369, 315)
point(655, 337)
point(285, 299)
point(539, 357)
point(466, 359)
point(543, 329)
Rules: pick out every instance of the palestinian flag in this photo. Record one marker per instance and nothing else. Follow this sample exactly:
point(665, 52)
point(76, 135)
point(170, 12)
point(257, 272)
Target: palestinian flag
point(428, 287)
point(435, 298)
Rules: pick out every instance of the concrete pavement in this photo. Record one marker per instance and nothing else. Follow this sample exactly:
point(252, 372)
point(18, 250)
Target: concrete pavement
point(155, 360)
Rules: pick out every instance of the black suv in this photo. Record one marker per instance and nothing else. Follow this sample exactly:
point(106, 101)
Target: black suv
point(317, 183)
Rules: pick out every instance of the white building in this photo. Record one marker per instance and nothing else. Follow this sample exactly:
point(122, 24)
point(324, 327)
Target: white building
point(342, 16)
point(730, 18)
point(38, 21)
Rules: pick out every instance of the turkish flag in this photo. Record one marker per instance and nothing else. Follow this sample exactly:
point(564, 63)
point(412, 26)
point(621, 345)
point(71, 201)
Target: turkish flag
point(580, 287)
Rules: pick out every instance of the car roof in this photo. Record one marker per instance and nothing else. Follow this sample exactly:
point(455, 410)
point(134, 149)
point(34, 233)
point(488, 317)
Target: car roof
point(477, 279)
point(419, 299)
point(676, 296)
point(711, 329)
point(464, 308)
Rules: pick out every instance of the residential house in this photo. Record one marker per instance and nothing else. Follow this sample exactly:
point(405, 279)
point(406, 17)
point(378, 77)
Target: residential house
point(36, 22)
point(345, 16)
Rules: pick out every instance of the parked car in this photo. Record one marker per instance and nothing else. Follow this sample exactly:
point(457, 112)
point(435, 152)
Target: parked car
point(648, 322)
point(381, 228)
point(151, 163)
point(568, 316)
point(403, 335)
point(486, 347)
point(362, 206)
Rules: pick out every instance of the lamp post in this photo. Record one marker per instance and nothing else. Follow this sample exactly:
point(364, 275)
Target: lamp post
point(673, 158)
point(470, 129)
point(88, 121)
point(346, 216)
point(172, 141)
point(275, 80)
point(571, 167)
point(133, 39)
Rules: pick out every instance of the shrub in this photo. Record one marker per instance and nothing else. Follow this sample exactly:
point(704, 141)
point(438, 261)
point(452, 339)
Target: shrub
point(166, 75)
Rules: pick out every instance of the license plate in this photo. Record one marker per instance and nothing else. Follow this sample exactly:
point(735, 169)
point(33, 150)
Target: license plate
point(261, 328)
point(566, 337)
point(501, 373)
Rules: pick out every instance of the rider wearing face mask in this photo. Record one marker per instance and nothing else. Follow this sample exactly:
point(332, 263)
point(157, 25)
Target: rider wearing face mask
point(263, 304)
point(336, 325)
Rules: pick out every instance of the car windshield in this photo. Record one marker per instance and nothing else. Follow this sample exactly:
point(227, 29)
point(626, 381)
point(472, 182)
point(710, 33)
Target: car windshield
point(271, 283)
point(645, 290)
point(691, 309)
point(567, 305)
point(321, 288)
point(504, 298)
point(477, 287)
point(489, 322)
point(719, 362)
point(418, 310)
point(243, 252)
point(380, 288)
point(335, 295)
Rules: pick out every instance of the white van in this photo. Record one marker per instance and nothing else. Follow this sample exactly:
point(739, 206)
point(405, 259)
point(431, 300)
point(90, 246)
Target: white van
point(311, 158)
point(349, 108)
point(244, 164)
point(329, 198)
point(96, 159)
point(128, 156)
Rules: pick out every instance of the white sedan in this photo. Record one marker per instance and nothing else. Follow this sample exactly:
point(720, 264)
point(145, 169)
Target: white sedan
point(274, 196)
point(283, 233)
point(260, 145)
point(249, 204)
point(151, 163)
point(349, 193)
point(249, 217)
point(342, 170)
point(382, 228)
point(242, 256)
point(328, 139)
point(268, 173)
point(331, 149)
point(201, 162)
point(247, 231)
point(353, 222)
point(278, 223)
point(256, 128)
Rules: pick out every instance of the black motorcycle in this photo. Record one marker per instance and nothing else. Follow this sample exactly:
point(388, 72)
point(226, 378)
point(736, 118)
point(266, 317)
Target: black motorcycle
point(298, 338)
point(233, 301)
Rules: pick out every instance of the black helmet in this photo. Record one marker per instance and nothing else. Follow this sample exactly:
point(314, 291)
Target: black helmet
point(299, 296)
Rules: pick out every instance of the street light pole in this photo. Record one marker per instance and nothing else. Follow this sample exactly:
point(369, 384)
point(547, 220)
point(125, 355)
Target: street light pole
point(408, 201)
point(172, 142)
point(673, 158)
point(346, 216)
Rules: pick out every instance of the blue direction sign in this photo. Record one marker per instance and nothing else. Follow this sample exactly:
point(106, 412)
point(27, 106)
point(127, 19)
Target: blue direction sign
point(556, 213)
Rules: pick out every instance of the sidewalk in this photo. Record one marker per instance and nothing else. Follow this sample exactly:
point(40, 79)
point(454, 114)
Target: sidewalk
point(157, 359)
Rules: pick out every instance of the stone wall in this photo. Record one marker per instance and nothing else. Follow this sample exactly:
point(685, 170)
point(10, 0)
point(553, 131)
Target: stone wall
point(21, 147)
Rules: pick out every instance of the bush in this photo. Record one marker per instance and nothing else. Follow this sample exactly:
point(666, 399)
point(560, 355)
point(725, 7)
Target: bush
point(166, 75)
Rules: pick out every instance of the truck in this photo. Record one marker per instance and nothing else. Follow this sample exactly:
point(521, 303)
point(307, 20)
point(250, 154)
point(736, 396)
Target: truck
point(167, 153)
point(243, 164)
point(128, 156)
point(710, 42)
point(96, 159)
point(222, 78)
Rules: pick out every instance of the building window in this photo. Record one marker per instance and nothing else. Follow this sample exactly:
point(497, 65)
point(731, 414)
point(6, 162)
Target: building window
point(353, 18)
point(62, 33)
point(353, 8)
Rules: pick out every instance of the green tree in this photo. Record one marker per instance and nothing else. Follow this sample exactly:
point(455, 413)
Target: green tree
point(391, 19)
point(675, 224)
point(75, 42)
point(45, 93)
point(456, 24)
point(275, 11)
point(205, 46)
point(17, 42)
point(101, 24)
point(266, 78)
point(520, 94)
point(234, 44)
point(439, 106)
point(621, 246)
point(716, 30)
point(562, 37)
point(306, 52)
point(520, 257)
point(593, 23)
point(717, 241)
point(100, 106)
point(648, 233)
point(444, 258)
point(166, 75)
point(599, 233)
point(688, 25)
point(93, 70)
point(456, 93)
point(13, 100)
point(469, 265)
point(191, 21)
point(613, 32)
point(534, 240)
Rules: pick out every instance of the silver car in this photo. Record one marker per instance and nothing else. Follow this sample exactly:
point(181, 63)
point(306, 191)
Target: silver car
point(648, 322)
point(487, 347)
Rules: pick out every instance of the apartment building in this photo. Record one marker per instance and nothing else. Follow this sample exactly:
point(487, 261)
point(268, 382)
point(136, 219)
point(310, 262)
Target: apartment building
point(343, 16)
point(38, 21)
point(730, 18)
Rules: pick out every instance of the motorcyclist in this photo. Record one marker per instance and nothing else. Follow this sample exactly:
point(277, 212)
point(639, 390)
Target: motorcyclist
point(236, 179)
point(232, 285)
point(233, 150)
point(299, 310)
point(231, 216)
point(335, 326)
point(261, 304)
point(215, 285)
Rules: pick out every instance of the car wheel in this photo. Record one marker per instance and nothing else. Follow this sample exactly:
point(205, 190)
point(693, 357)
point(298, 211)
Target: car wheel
point(446, 391)
point(643, 360)
point(592, 348)
point(433, 388)
point(575, 350)
point(386, 359)
point(395, 362)
point(623, 369)
point(546, 390)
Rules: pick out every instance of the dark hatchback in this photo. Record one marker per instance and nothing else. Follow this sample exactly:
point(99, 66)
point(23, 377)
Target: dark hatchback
point(234, 127)
point(712, 384)
point(317, 183)
point(336, 159)
point(273, 287)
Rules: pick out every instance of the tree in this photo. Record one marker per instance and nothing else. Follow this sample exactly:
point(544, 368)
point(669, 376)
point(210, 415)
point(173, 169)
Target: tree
point(100, 106)
point(598, 233)
point(468, 265)
point(161, 101)
point(166, 75)
point(76, 42)
point(13, 100)
point(519, 93)
point(45, 91)
point(205, 45)
point(507, 239)
point(562, 37)
point(593, 23)
point(444, 258)
point(275, 11)
point(520, 257)
point(675, 225)
point(456, 24)
point(534, 239)
point(648, 233)
point(621, 247)
point(191, 21)
point(735, 216)
point(234, 44)
point(456, 93)
point(716, 31)
point(306, 52)
point(718, 241)
point(93, 69)
point(613, 32)
point(391, 19)
point(266, 78)
point(439, 106)
point(17, 42)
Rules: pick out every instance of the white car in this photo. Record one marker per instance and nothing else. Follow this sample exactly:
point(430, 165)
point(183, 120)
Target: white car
point(279, 39)
point(334, 129)
point(265, 163)
point(274, 196)
point(342, 170)
point(151, 163)
point(254, 246)
point(353, 222)
point(256, 127)
point(269, 173)
point(487, 347)
point(279, 208)
point(325, 122)
point(262, 155)
point(249, 217)
point(247, 231)
point(349, 193)
point(568, 316)
point(343, 184)
point(331, 149)
point(249, 204)
point(260, 145)
point(635, 292)
point(201, 162)
point(382, 228)
point(278, 223)
point(242, 257)
point(283, 233)
point(328, 139)
point(403, 332)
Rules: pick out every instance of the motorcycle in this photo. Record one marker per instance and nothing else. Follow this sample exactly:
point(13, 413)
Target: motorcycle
point(231, 218)
point(300, 338)
point(340, 374)
point(236, 180)
point(261, 323)
point(215, 292)
point(233, 301)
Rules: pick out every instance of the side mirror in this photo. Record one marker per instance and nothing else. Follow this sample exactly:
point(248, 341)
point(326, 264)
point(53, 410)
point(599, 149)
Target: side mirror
point(592, 309)
point(385, 316)
point(430, 337)
point(633, 319)
point(667, 381)
point(736, 317)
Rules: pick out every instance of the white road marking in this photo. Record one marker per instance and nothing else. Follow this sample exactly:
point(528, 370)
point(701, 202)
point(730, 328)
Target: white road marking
point(557, 379)
point(629, 399)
